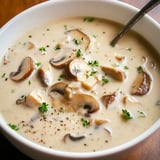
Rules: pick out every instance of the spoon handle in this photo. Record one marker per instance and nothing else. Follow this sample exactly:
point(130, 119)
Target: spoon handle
point(149, 6)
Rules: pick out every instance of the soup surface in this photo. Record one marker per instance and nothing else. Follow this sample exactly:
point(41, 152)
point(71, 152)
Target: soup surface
point(64, 87)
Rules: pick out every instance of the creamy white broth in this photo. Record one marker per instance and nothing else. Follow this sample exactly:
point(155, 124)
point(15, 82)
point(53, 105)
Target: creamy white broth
point(105, 128)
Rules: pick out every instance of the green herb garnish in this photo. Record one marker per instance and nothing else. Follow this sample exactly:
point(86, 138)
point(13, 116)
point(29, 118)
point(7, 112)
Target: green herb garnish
point(13, 126)
point(29, 82)
point(126, 115)
point(38, 64)
point(43, 108)
point(140, 69)
point(129, 49)
point(65, 27)
point(42, 49)
point(3, 75)
point(60, 77)
point(88, 19)
point(77, 41)
point(90, 73)
point(126, 67)
point(29, 36)
point(94, 63)
point(79, 53)
point(93, 73)
point(85, 122)
point(104, 80)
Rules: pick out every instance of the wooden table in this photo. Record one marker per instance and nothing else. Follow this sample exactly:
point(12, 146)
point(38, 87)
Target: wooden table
point(149, 150)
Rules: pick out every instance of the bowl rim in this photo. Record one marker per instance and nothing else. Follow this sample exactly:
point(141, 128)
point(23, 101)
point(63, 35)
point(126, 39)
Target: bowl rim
point(9, 133)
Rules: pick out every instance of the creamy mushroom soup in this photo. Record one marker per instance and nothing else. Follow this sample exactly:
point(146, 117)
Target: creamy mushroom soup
point(64, 87)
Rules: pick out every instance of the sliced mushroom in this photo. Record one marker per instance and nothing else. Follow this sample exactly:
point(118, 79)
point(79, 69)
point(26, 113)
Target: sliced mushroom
point(61, 98)
point(85, 101)
point(142, 84)
point(79, 38)
point(59, 88)
point(79, 70)
point(25, 69)
point(72, 138)
point(114, 73)
point(108, 99)
point(45, 75)
point(63, 56)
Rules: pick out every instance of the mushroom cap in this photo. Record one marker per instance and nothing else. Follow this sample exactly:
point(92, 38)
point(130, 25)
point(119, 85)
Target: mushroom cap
point(58, 87)
point(79, 38)
point(80, 71)
point(64, 56)
point(24, 70)
point(88, 102)
point(108, 98)
point(61, 98)
point(114, 73)
point(142, 84)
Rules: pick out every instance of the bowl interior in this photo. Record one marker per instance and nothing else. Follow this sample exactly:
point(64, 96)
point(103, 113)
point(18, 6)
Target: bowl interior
point(56, 9)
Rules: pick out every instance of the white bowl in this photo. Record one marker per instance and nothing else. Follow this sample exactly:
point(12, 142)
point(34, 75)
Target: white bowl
point(55, 9)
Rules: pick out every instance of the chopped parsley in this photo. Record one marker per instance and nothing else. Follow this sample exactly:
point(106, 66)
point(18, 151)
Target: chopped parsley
point(79, 53)
point(139, 69)
point(126, 115)
point(3, 75)
point(90, 73)
point(29, 82)
point(126, 67)
point(77, 41)
point(65, 27)
point(93, 73)
point(43, 108)
point(60, 77)
point(13, 126)
point(94, 63)
point(129, 49)
point(95, 36)
point(29, 36)
point(85, 122)
point(38, 64)
point(88, 19)
point(104, 80)
point(42, 49)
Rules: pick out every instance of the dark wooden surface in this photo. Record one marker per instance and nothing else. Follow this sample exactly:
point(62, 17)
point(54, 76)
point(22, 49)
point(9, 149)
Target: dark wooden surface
point(149, 150)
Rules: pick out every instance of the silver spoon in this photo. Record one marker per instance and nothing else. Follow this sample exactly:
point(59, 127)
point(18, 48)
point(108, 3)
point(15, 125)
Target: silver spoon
point(149, 6)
